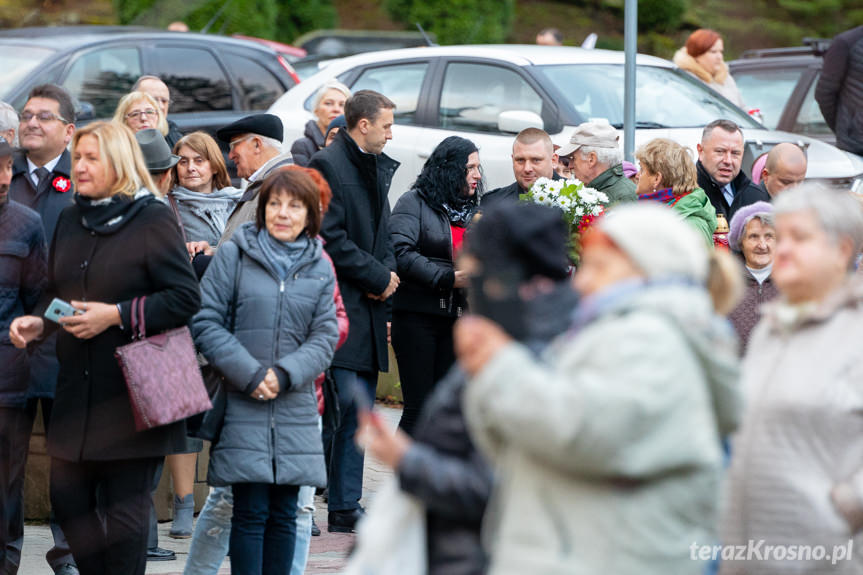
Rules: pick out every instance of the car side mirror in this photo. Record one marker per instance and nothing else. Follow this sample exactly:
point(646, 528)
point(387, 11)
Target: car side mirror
point(514, 121)
point(85, 113)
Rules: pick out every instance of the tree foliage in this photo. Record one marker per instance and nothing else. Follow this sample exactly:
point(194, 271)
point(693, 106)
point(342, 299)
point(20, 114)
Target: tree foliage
point(661, 15)
point(457, 21)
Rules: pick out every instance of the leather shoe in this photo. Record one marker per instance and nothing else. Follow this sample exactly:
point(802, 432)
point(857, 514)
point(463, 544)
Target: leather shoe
point(159, 554)
point(344, 521)
point(316, 531)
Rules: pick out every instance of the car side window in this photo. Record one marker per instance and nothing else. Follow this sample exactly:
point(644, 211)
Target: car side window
point(101, 77)
point(474, 95)
point(810, 121)
point(258, 86)
point(401, 83)
point(196, 80)
point(768, 91)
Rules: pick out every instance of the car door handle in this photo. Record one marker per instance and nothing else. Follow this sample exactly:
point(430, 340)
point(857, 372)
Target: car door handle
point(424, 155)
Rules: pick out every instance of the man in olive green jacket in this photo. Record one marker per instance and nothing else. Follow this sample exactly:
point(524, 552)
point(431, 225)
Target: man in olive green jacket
point(597, 160)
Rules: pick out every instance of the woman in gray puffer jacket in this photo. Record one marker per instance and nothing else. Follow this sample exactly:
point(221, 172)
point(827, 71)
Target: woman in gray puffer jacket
point(268, 324)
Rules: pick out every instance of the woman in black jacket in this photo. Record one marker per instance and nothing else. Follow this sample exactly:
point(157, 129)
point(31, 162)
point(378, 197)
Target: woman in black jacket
point(427, 227)
point(115, 243)
point(329, 104)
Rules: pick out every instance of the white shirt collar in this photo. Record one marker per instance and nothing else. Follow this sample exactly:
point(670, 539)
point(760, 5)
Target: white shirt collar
point(31, 168)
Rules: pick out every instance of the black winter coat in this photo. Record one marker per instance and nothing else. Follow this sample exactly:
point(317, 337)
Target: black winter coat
point(839, 91)
point(357, 232)
point(422, 240)
point(92, 418)
point(745, 192)
point(23, 268)
point(445, 471)
point(304, 148)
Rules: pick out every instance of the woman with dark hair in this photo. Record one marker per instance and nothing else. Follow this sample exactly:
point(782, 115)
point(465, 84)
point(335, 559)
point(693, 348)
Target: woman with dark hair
point(268, 324)
point(427, 227)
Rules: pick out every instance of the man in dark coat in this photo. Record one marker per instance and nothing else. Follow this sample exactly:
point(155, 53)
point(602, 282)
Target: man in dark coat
point(532, 158)
point(41, 180)
point(720, 155)
point(356, 230)
point(839, 91)
point(23, 268)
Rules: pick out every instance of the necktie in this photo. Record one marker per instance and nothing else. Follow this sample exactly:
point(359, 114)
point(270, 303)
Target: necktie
point(42, 175)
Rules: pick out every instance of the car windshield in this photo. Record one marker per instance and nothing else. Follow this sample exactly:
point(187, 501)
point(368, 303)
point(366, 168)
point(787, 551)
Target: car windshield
point(665, 98)
point(16, 63)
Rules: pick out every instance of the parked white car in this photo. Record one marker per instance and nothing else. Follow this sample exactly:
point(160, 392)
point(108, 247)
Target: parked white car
point(488, 93)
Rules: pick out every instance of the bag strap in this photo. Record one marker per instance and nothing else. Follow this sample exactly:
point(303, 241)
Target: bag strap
point(134, 318)
point(176, 210)
point(142, 326)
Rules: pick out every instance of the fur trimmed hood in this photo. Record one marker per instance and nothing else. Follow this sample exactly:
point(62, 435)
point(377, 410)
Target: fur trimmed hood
point(684, 61)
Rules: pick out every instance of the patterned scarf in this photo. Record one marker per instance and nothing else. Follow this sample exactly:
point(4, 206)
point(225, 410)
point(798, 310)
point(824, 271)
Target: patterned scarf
point(461, 215)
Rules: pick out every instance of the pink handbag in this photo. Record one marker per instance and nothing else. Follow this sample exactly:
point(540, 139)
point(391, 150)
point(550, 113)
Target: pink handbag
point(162, 374)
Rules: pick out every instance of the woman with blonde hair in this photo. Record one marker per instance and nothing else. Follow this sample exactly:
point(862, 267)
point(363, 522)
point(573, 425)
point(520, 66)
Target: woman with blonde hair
point(139, 111)
point(703, 57)
point(328, 104)
point(115, 243)
point(668, 175)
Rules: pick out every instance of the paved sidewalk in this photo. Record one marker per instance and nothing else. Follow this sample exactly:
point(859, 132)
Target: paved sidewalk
point(327, 554)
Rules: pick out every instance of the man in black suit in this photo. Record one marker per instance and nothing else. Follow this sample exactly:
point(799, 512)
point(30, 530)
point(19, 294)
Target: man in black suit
point(41, 180)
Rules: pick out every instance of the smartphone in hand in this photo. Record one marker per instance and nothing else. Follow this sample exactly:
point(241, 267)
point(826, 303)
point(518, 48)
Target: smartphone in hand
point(60, 308)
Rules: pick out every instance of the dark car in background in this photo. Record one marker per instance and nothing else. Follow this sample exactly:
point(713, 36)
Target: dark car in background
point(214, 80)
point(781, 82)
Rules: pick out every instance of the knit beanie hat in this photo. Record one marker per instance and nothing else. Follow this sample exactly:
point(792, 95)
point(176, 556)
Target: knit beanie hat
point(657, 240)
point(529, 236)
point(742, 217)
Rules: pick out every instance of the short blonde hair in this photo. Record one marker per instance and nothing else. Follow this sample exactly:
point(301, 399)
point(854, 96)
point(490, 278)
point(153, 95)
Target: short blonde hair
point(118, 149)
point(331, 85)
point(670, 160)
point(131, 98)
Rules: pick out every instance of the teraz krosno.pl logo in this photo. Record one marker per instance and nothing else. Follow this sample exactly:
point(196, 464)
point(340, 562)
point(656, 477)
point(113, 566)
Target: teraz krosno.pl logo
point(760, 550)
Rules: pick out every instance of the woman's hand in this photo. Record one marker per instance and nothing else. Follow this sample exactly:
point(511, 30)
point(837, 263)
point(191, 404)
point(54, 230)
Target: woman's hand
point(477, 340)
point(97, 317)
point(272, 381)
point(25, 329)
point(195, 248)
point(374, 436)
point(462, 279)
point(263, 392)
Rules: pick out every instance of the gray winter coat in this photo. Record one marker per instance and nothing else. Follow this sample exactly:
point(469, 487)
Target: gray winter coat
point(289, 326)
point(204, 215)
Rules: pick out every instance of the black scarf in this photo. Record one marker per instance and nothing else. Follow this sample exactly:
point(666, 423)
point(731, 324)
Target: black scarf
point(461, 214)
point(106, 216)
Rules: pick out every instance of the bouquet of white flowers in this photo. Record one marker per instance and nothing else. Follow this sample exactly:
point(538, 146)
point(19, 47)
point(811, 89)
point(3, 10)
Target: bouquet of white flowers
point(580, 205)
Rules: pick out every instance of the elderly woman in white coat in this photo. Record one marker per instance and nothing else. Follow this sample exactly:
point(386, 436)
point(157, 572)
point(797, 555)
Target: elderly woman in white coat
point(796, 475)
point(609, 451)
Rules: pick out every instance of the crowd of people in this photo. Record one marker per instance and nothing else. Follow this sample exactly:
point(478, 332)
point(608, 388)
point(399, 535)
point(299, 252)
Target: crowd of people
point(691, 382)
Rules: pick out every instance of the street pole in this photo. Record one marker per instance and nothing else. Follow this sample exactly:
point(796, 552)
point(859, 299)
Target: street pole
point(630, 45)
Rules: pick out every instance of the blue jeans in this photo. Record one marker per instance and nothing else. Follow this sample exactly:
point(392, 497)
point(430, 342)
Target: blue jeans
point(212, 533)
point(263, 529)
point(305, 512)
point(344, 457)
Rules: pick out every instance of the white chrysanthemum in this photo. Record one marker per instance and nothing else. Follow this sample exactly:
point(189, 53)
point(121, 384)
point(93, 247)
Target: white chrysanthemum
point(596, 210)
point(579, 211)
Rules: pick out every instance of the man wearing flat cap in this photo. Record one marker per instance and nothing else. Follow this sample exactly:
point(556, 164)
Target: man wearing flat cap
point(158, 156)
point(255, 144)
point(598, 162)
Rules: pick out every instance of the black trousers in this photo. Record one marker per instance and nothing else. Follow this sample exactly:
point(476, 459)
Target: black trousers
point(104, 510)
point(424, 352)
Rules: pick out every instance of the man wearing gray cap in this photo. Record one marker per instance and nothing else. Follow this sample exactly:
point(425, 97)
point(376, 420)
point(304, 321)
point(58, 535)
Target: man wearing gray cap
point(598, 161)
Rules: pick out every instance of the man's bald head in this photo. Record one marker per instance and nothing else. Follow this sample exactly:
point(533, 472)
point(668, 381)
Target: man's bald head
point(785, 168)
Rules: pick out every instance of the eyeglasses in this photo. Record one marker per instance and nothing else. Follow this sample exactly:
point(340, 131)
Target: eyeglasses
point(237, 141)
point(140, 114)
point(41, 117)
